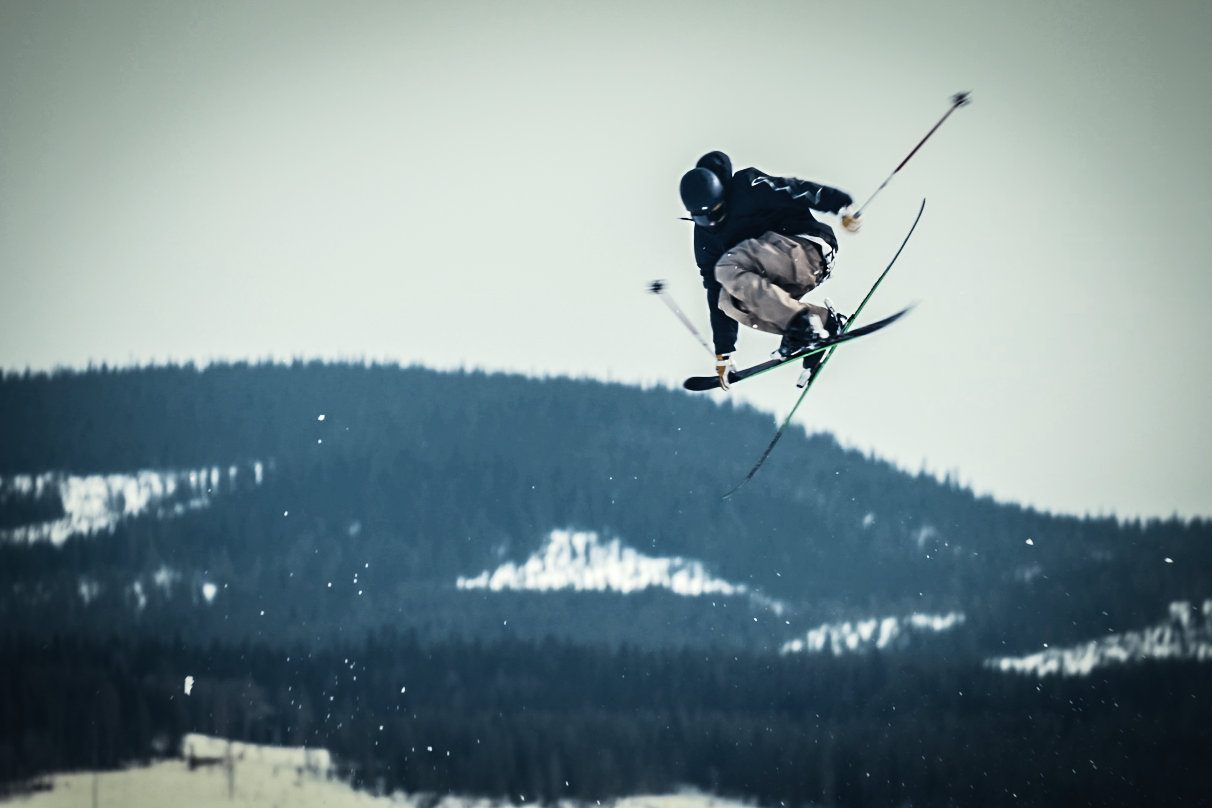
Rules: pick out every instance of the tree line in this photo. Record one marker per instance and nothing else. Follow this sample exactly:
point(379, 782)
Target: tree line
point(541, 721)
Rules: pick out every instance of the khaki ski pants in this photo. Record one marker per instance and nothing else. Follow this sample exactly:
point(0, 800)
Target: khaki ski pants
point(764, 279)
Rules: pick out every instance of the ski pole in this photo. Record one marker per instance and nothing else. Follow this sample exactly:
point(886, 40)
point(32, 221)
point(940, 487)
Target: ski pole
point(958, 100)
point(658, 289)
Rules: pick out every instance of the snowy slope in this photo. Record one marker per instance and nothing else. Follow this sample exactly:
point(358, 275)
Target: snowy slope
point(1186, 634)
point(96, 503)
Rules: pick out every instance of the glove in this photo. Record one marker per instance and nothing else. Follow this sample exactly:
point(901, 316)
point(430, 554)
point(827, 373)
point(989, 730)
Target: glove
point(723, 366)
point(851, 222)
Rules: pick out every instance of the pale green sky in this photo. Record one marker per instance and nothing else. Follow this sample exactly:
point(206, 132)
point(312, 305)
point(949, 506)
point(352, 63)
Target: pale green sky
point(492, 184)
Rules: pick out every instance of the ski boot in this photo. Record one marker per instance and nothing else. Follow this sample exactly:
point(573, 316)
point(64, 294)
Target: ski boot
point(804, 332)
point(835, 324)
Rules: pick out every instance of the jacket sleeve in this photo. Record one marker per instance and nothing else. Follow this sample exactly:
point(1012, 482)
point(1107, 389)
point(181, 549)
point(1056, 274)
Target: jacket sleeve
point(789, 192)
point(723, 328)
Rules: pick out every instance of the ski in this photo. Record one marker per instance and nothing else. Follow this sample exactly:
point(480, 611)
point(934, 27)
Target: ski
point(825, 359)
point(698, 383)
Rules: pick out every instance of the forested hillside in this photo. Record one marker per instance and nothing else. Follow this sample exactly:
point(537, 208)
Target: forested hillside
point(414, 477)
point(299, 540)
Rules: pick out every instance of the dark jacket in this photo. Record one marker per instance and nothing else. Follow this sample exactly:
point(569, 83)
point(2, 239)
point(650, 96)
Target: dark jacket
point(757, 203)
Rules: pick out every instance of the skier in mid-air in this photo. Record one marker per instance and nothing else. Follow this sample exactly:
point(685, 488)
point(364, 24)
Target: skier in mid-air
point(759, 250)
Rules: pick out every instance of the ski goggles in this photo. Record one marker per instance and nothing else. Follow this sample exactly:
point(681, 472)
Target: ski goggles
point(712, 217)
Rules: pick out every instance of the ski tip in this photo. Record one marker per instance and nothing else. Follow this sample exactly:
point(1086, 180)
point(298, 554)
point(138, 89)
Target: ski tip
point(702, 383)
point(893, 318)
point(887, 321)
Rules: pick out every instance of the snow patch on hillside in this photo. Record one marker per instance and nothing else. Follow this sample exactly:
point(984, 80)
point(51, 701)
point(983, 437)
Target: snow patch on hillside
point(860, 636)
point(580, 561)
point(202, 750)
point(95, 503)
point(218, 773)
point(1186, 634)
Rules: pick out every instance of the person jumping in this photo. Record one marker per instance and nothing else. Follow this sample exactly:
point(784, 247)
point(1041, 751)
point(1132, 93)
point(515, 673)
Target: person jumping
point(759, 250)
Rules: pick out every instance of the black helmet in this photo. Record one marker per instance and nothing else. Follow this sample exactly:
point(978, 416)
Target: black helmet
point(703, 196)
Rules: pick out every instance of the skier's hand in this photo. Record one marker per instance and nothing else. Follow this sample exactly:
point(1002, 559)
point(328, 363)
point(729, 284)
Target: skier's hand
point(723, 366)
point(844, 201)
point(852, 222)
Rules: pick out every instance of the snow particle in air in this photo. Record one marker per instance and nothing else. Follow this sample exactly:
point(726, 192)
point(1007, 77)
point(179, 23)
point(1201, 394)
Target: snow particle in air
point(189, 684)
point(1030, 542)
point(1169, 560)
point(321, 418)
